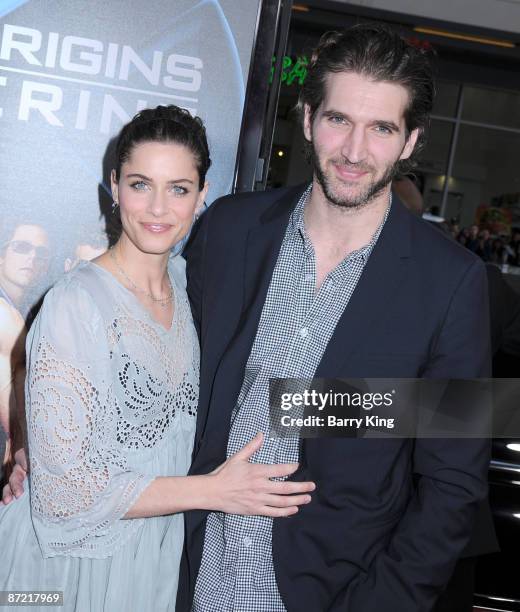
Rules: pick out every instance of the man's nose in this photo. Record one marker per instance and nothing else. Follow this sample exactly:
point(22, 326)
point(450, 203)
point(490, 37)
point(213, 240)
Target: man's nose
point(30, 257)
point(354, 147)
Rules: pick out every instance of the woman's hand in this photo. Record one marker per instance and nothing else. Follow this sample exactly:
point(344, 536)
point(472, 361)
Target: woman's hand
point(14, 488)
point(240, 487)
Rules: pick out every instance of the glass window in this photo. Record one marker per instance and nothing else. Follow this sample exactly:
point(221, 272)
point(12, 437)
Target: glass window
point(434, 158)
point(485, 171)
point(493, 106)
point(445, 102)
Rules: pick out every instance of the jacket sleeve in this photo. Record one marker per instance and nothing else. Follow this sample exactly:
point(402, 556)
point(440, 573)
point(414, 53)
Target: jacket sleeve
point(451, 476)
point(194, 253)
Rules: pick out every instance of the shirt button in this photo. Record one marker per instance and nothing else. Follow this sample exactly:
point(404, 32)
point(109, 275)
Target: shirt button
point(309, 277)
point(304, 332)
point(247, 541)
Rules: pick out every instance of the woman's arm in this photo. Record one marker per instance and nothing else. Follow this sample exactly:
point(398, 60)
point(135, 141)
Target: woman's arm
point(235, 487)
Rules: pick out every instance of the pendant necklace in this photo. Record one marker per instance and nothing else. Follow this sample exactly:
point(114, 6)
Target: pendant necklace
point(162, 301)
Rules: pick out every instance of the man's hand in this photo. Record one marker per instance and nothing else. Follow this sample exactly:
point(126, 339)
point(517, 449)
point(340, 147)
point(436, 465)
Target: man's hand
point(14, 488)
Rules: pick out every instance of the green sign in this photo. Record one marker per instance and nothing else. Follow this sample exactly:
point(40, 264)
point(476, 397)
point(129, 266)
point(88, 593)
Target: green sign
point(293, 70)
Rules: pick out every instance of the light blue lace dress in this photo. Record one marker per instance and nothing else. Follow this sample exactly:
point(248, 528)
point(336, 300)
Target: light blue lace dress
point(111, 398)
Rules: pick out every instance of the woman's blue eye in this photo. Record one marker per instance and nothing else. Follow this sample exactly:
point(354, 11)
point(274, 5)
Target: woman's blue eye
point(139, 185)
point(178, 190)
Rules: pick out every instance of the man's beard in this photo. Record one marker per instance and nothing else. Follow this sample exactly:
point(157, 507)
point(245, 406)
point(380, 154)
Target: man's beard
point(364, 197)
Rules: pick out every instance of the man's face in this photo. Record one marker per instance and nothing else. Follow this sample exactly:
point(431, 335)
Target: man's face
point(25, 256)
point(358, 136)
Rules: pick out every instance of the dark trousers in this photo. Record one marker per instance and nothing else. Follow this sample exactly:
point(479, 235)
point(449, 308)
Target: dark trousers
point(458, 596)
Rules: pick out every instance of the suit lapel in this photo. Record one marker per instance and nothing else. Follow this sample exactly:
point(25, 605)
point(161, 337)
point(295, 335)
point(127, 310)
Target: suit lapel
point(383, 274)
point(262, 247)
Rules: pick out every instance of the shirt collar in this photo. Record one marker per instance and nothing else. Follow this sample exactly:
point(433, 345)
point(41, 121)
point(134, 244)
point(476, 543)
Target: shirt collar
point(297, 224)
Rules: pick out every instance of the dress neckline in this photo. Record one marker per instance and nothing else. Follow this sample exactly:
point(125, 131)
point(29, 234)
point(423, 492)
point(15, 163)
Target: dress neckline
point(136, 301)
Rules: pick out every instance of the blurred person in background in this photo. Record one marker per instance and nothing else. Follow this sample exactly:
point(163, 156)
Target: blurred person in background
point(497, 251)
point(463, 236)
point(484, 246)
point(409, 194)
point(472, 242)
point(514, 248)
point(454, 228)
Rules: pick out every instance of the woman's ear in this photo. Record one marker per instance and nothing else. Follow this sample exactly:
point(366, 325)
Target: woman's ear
point(201, 200)
point(114, 186)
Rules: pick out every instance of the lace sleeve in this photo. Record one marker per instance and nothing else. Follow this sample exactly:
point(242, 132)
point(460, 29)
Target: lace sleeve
point(80, 484)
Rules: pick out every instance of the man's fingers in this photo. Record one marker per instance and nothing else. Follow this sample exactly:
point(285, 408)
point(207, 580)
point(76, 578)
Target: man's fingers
point(250, 448)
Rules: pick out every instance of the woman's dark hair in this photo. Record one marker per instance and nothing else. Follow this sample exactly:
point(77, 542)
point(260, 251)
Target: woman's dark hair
point(377, 52)
point(165, 124)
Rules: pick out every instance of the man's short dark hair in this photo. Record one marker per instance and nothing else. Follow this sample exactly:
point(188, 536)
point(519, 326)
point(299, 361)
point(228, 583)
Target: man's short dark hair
point(375, 51)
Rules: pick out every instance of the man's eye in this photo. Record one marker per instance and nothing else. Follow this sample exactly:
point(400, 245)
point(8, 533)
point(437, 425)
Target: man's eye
point(383, 129)
point(336, 119)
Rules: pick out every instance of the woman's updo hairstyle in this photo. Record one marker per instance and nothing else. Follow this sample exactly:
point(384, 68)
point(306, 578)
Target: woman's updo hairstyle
point(165, 124)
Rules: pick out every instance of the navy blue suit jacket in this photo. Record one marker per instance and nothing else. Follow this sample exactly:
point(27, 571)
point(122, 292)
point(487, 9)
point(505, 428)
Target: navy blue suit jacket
point(389, 518)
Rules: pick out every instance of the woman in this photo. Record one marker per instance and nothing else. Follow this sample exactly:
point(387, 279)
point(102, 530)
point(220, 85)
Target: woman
point(111, 400)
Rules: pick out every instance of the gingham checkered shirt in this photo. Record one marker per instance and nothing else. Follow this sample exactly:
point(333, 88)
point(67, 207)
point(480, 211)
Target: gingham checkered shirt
point(296, 324)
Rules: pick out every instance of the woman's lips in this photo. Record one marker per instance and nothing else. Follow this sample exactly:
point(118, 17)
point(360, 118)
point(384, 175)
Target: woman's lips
point(157, 228)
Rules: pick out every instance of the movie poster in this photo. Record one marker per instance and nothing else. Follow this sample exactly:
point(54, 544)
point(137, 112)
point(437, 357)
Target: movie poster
point(71, 74)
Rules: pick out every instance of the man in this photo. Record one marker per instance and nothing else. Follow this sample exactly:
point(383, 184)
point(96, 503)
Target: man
point(319, 282)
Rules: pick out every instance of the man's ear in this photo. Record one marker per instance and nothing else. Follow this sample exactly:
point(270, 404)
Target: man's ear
point(114, 186)
point(307, 122)
point(410, 144)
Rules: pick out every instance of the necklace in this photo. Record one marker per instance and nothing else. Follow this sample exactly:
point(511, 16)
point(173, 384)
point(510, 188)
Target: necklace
point(162, 301)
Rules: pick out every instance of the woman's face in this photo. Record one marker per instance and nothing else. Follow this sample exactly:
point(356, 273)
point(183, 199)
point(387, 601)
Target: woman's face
point(158, 194)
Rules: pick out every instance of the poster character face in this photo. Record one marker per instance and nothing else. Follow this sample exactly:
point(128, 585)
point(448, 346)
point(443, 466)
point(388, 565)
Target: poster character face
point(25, 257)
point(84, 252)
point(158, 194)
